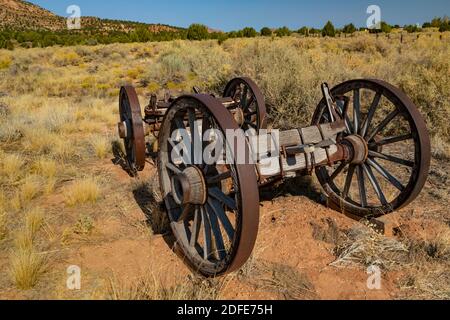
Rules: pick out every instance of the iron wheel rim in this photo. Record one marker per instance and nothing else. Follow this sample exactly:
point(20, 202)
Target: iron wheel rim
point(366, 172)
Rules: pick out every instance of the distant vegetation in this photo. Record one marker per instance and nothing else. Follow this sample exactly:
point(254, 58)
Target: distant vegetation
point(131, 32)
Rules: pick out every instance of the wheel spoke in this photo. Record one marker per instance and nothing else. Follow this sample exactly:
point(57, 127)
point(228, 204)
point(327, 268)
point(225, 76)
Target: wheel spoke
point(250, 102)
point(180, 124)
point(195, 232)
point(369, 118)
point(251, 124)
point(348, 181)
point(244, 98)
point(207, 246)
point(217, 194)
point(361, 185)
point(220, 246)
point(343, 110)
point(195, 137)
point(187, 210)
point(173, 168)
point(254, 113)
point(382, 125)
point(388, 176)
point(356, 111)
point(389, 158)
point(392, 140)
point(338, 171)
point(220, 213)
point(218, 178)
point(376, 186)
point(236, 93)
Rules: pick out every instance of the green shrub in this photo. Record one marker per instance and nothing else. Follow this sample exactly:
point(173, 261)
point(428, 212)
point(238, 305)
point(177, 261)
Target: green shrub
point(283, 32)
point(5, 62)
point(197, 32)
point(266, 32)
point(329, 30)
point(249, 32)
point(304, 31)
point(349, 29)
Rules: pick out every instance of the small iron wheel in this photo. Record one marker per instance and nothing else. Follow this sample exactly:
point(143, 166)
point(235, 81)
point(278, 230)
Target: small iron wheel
point(250, 100)
point(385, 122)
point(131, 128)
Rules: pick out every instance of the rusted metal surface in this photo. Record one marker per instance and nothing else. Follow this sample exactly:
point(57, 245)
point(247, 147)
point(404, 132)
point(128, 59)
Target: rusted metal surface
point(246, 211)
point(131, 128)
point(255, 117)
point(359, 148)
point(418, 168)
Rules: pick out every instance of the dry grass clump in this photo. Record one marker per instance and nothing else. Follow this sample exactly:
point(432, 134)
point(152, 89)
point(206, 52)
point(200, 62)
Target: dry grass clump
point(46, 167)
point(82, 191)
point(280, 279)
point(5, 61)
point(287, 282)
point(366, 247)
point(429, 276)
point(25, 236)
point(427, 283)
point(440, 148)
point(26, 264)
point(3, 224)
point(30, 188)
point(81, 231)
point(101, 146)
point(34, 219)
point(26, 268)
point(11, 166)
point(66, 57)
point(152, 288)
point(3, 217)
point(435, 247)
point(39, 140)
point(4, 110)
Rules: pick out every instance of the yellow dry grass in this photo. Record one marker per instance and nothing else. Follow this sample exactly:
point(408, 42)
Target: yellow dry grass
point(3, 225)
point(101, 146)
point(82, 191)
point(46, 167)
point(26, 267)
point(11, 166)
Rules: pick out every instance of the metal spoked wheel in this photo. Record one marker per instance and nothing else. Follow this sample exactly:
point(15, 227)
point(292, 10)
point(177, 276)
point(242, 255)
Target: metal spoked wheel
point(397, 162)
point(213, 208)
point(251, 102)
point(131, 128)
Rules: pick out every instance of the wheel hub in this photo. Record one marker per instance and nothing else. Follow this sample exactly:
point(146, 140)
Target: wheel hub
point(359, 147)
point(189, 187)
point(124, 129)
point(238, 115)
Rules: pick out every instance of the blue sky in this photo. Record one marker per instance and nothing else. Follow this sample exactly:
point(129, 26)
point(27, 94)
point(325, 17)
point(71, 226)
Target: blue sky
point(229, 15)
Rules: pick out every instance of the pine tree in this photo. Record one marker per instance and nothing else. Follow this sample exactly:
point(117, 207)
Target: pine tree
point(329, 30)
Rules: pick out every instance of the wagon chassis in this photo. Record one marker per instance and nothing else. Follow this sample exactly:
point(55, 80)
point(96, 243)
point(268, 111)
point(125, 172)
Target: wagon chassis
point(213, 208)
